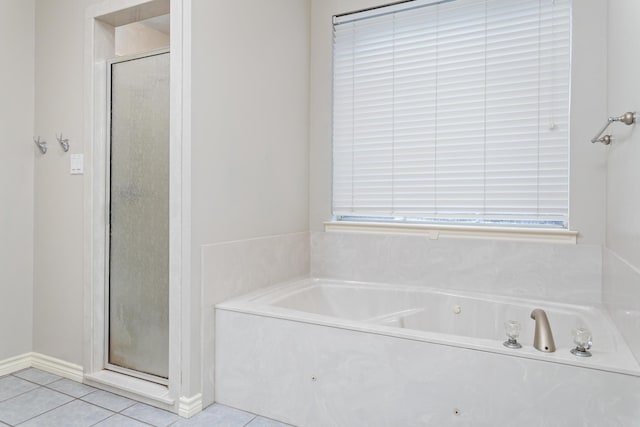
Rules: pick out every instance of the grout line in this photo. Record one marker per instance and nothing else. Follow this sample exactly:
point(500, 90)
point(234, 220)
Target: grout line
point(20, 394)
point(80, 398)
point(108, 409)
point(33, 382)
point(135, 402)
point(251, 420)
point(110, 416)
point(122, 415)
point(46, 412)
point(17, 395)
point(70, 395)
point(74, 398)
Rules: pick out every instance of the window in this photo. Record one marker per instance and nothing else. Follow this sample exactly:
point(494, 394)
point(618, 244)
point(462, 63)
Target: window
point(453, 112)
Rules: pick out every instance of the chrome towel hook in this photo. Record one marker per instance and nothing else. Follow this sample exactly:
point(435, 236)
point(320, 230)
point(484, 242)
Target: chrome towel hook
point(42, 145)
point(63, 142)
point(627, 118)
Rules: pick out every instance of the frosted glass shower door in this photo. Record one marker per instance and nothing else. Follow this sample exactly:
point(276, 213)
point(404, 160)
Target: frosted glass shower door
point(139, 216)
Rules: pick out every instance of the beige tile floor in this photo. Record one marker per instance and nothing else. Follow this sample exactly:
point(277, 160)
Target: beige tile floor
point(34, 398)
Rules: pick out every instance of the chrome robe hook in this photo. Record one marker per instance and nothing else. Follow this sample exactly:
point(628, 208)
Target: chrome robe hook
point(63, 142)
point(42, 145)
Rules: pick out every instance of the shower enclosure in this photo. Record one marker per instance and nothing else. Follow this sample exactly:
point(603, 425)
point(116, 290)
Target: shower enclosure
point(138, 217)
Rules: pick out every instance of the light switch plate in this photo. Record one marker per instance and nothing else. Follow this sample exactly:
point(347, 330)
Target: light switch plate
point(77, 164)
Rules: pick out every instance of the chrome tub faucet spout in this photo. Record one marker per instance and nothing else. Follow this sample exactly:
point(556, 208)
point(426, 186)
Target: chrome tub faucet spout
point(543, 338)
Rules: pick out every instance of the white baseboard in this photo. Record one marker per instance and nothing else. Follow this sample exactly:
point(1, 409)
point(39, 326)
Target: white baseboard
point(190, 406)
point(59, 367)
point(45, 363)
point(15, 364)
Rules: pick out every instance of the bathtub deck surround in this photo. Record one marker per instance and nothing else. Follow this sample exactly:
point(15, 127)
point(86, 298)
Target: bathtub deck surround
point(336, 353)
point(461, 319)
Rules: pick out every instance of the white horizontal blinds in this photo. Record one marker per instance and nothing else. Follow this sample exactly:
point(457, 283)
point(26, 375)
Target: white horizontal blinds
point(454, 111)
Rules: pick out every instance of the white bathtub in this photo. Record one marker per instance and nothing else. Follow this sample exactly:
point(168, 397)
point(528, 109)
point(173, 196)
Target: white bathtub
point(325, 352)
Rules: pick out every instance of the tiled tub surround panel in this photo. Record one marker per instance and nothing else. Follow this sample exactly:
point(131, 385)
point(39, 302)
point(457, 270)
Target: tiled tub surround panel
point(557, 272)
point(235, 268)
point(621, 296)
point(313, 375)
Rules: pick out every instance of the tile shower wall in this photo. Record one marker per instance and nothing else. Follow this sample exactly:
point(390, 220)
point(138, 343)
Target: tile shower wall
point(621, 296)
point(558, 272)
point(230, 269)
point(621, 265)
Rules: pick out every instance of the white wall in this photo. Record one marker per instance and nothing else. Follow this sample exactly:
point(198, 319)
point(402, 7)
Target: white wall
point(58, 221)
point(249, 147)
point(137, 38)
point(621, 279)
point(587, 182)
point(16, 176)
point(250, 116)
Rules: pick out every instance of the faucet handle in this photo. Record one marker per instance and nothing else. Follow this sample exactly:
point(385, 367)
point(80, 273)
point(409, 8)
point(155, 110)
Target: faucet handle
point(513, 329)
point(582, 340)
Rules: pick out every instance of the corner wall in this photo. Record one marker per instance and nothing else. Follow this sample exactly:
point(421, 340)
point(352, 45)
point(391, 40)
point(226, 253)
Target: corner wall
point(58, 219)
point(16, 176)
point(249, 174)
point(621, 262)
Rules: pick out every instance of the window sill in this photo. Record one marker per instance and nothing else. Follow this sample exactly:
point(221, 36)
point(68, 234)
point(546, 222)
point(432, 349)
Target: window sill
point(436, 231)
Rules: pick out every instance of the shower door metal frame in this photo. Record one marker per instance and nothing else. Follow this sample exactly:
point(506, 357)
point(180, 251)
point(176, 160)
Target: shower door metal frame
point(183, 394)
point(107, 365)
